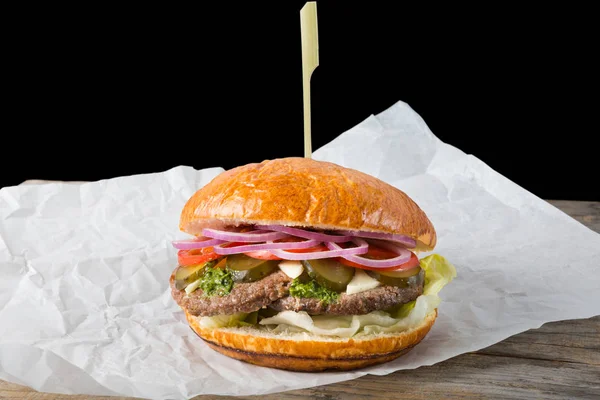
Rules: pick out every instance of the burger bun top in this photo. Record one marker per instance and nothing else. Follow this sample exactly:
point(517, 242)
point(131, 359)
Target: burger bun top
point(306, 193)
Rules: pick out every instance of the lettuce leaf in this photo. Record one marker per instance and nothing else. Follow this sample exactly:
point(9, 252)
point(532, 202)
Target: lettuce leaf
point(438, 273)
point(336, 326)
point(423, 305)
point(222, 321)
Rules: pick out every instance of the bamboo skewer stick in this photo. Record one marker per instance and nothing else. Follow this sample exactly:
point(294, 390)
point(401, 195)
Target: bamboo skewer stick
point(310, 61)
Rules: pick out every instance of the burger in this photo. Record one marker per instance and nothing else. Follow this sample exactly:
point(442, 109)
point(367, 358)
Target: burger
point(306, 265)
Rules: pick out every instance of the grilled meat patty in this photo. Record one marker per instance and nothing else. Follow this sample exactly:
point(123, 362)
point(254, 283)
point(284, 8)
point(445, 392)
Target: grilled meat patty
point(380, 298)
point(244, 297)
point(273, 291)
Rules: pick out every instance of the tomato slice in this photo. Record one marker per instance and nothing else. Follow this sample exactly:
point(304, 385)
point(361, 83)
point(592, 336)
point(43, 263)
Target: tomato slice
point(267, 255)
point(381, 254)
point(319, 247)
point(262, 255)
point(196, 256)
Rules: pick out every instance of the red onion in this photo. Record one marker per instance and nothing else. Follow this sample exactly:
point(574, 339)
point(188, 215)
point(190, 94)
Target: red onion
point(270, 245)
point(403, 239)
point(254, 236)
point(337, 252)
point(303, 233)
point(264, 237)
point(195, 243)
point(403, 255)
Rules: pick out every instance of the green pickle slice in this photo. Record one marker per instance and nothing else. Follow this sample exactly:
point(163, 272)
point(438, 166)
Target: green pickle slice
point(329, 273)
point(248, 269)
point(402, 278)
point(186, 275)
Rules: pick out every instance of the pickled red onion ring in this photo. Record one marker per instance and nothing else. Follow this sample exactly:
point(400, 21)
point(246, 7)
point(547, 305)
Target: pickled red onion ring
point(362, 248)
point(403, 239)
point(254, 236)
point(402, 257)
point(303, 233)
point(270, 245)
point(198, 243)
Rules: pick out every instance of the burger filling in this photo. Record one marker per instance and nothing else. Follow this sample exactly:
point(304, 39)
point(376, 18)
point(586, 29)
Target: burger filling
point(243, 297)
point(337, 285)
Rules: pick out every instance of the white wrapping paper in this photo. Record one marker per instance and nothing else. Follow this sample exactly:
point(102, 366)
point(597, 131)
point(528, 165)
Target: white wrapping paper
point(85, 306)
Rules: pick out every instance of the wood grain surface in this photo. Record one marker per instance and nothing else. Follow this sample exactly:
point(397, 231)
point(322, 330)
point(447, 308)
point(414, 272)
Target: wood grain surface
point(560, 360)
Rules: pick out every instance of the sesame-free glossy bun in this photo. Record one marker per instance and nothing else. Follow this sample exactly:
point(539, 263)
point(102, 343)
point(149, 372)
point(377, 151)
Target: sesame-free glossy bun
point(304, 192)
point(307, 352)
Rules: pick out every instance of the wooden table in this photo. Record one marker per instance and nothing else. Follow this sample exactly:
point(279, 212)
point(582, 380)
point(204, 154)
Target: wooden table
point(560, 360)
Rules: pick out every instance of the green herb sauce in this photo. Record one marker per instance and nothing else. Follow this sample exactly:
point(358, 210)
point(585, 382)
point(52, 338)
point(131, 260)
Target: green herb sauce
point(216, 281)
point(313, 290)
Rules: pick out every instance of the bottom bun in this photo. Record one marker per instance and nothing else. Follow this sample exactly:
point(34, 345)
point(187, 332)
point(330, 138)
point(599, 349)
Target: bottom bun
point(307, 352)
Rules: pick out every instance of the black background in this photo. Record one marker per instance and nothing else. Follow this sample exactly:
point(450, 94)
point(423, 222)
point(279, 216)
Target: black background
point(95, 93)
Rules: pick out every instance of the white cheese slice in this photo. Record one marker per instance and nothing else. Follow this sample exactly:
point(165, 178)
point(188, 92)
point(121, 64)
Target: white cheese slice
point(293, 269)
point(361, 282)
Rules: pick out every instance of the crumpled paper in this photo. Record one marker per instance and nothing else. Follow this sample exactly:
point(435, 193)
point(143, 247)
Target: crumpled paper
point(85, 306)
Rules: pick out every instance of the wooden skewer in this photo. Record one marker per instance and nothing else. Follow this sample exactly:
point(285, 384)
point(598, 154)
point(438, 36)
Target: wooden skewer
point(310, 61)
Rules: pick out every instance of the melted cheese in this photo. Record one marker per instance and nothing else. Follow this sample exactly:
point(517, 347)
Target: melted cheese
point(293, 269)
point(361, 282)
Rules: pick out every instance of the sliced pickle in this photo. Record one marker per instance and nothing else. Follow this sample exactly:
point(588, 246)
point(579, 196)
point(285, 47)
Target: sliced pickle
point(252, 318)
point(241, 262)
point(248, 269)
point(267, 312)
point(329, 273)
point(222, 263)
point(399, 278)
point(254, 274)
point(304, 276)
point(186, 275)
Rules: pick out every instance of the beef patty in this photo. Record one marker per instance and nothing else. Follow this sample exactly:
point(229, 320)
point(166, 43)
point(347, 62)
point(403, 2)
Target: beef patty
point(273, 291)
point(244, 297)
point(380, 298)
